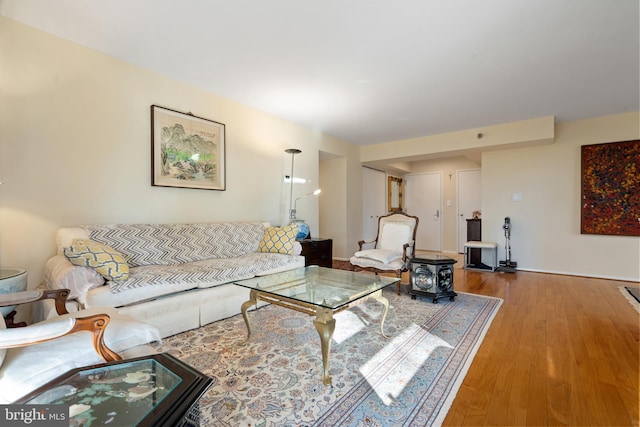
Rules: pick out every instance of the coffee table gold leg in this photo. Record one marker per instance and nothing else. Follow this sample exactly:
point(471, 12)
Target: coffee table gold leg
point(253, 300)
point(325, 325)
point(385, 302)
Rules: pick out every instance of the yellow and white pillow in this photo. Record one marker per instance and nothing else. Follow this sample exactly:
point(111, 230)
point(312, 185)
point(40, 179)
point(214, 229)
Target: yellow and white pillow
point(279, 240)
point(102, 258)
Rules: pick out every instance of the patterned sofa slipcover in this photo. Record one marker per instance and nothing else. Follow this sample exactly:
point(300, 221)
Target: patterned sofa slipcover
point(179, 274)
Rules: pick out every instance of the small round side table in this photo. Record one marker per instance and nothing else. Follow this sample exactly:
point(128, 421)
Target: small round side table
point(11, 280)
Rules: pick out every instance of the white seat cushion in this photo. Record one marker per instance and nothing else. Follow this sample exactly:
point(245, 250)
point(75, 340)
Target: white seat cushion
point(384, 256)
point(368, 262)
point(27, 368)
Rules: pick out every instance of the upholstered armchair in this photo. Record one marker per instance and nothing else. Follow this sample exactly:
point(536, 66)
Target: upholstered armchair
point(33, 355)
point(392, 247)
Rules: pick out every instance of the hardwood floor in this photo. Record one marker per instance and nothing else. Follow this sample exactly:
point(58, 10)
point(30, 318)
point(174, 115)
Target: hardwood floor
point(562, 350)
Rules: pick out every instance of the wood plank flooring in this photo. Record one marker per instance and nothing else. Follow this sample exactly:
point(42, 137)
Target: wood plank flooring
point(562, 350)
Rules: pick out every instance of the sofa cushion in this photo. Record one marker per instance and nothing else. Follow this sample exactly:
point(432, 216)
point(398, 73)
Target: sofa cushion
point(279, 240)
point(103, 258)
point(168, 244)
point(201, 274)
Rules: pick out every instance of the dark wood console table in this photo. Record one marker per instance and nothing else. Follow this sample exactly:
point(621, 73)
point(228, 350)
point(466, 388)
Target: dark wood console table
point(317, 252)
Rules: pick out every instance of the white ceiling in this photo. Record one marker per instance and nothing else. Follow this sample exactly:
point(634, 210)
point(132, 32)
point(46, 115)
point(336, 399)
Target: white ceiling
point(370, 71)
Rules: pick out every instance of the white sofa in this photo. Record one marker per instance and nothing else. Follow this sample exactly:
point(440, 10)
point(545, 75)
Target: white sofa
point(179, 274)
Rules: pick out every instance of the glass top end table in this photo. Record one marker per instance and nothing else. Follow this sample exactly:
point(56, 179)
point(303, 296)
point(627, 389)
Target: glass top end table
point(145, 391)
point(318, 291)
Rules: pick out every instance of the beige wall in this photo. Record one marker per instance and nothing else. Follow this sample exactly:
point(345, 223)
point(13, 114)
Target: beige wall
point(75, 149)
point(537, 131)
point(546, 223)
point(333, 206)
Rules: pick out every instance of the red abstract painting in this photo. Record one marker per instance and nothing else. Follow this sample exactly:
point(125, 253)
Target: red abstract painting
point(611, 188)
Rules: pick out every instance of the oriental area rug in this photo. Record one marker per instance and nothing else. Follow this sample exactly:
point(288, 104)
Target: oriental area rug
point(408, 379)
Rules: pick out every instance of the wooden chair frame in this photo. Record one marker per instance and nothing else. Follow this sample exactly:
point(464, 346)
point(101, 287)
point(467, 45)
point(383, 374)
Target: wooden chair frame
point(95, 324)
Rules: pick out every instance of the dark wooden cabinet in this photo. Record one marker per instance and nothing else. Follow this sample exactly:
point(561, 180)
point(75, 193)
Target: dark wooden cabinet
point(317, 252)
point(474, 233)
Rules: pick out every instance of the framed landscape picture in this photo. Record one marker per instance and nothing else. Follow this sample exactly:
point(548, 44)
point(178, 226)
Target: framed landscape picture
point(186, 151)
point(610, 201)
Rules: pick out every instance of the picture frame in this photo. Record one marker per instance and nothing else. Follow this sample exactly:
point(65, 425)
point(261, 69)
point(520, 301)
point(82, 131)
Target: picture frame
point(187, 151)
point(610, 193)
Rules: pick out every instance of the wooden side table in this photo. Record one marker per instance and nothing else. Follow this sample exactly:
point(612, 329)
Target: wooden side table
point(317, 252)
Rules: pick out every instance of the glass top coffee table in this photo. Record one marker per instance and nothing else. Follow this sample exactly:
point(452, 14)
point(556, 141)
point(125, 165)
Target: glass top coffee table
point(317, 291)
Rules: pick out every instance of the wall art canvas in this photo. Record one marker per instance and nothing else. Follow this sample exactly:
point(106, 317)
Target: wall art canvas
point(187, 151)
point(611, 188)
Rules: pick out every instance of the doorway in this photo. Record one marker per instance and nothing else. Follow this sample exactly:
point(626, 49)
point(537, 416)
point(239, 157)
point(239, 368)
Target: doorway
point(424, 200)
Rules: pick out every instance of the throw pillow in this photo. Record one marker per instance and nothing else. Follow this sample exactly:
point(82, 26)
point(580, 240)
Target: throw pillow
point(104, 259)
point(60, 273)
point(279, 240)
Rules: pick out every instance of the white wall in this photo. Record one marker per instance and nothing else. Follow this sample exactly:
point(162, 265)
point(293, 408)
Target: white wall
point(75, 149)
point(546, 223)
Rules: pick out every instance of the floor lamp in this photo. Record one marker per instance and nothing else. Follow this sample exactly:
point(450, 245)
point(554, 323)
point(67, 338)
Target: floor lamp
point(303, 227)
point(293, 152)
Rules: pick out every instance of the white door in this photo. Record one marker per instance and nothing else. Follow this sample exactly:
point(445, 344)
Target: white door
point(374, 188)
point(469, 200)
point(424, 200)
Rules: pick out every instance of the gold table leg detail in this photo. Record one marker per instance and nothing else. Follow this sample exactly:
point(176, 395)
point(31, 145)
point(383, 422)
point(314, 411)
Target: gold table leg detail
point(325, 325)
point(385, 302)
point(253, 300)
